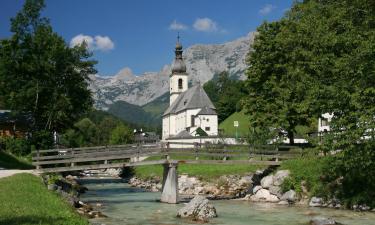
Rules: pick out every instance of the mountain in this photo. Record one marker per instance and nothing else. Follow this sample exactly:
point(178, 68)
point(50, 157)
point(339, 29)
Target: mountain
point(202, 62)
point(147, 115)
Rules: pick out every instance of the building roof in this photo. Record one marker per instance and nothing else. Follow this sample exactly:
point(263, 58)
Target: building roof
point(183, 134)
point(207, 111)
point(194, 98)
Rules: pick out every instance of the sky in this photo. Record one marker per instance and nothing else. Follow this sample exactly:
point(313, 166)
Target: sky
point(141, 34)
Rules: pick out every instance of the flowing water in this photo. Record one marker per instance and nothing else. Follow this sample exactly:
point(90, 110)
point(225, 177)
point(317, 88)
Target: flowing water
point(126, 205)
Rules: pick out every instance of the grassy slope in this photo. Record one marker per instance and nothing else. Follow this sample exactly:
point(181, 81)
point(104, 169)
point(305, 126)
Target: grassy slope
point(230, 130)
point(25, 200)
point(11, 162)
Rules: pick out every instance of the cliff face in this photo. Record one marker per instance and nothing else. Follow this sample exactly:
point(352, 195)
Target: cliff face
point(202, 61)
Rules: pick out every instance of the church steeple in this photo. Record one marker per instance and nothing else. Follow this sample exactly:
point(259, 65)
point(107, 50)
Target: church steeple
point(179, 66)
point(178, 81)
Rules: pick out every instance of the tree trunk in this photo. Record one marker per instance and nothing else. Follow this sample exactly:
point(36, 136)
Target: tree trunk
point(291, 137)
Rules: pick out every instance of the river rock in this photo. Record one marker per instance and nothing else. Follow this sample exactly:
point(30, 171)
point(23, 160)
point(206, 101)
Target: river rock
point(267, 181)
point(275, 190)
point(256, 189)
point(290, 196)
point(264, 195)
point(198, 208)
point(316, 202)
point(323, 221)
point(280, 176)
point(115, 172)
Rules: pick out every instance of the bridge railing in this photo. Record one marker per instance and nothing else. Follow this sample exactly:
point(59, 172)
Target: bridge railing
point(108, 155)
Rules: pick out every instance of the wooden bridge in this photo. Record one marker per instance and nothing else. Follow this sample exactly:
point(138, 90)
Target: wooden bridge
point(104, 157)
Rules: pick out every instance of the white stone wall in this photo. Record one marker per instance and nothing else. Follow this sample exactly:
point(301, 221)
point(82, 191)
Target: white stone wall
point(173, 86)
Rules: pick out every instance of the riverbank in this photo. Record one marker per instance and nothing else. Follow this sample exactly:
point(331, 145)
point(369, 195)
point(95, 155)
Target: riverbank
point(25, 200)
point(129, 205)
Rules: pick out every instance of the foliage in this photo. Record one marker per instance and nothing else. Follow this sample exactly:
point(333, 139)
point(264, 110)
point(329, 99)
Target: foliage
point(15, 146)
point(319, 58)
point(25, 200)
point(101, 129)
point(121, 135)
point(41, 75)
point(225, 94)
point(10, 161)
point(350, 175)
point(308, 170)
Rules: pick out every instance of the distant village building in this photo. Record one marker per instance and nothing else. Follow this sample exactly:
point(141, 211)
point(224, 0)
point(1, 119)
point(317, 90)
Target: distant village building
point(14, 126)
point(190, 113)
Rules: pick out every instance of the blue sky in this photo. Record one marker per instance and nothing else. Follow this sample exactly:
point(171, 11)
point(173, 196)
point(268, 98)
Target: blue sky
point(140, 34)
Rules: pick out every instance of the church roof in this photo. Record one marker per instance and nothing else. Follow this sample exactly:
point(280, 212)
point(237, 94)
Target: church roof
point(207, 111)
point(194, 98)
point(183, 134)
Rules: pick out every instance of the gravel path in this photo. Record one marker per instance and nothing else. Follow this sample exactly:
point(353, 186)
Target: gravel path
point(7, 173)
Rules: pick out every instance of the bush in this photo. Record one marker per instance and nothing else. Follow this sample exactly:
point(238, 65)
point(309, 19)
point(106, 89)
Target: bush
point(15, 146)
point(350, 175)
point(308, 170)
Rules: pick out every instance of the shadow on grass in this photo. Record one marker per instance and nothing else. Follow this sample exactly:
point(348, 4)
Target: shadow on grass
point(8, 161)
point(39, 220)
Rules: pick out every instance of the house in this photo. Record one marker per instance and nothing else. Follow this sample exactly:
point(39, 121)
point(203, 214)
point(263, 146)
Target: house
point(190, 113)
point(14, 125)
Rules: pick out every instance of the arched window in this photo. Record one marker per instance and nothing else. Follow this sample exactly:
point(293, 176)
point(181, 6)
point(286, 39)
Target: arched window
point(180, 83)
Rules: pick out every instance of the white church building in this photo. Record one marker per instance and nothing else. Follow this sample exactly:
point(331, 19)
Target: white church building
point(191, 113)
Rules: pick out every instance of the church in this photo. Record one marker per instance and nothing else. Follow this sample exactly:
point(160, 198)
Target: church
point(190, 113)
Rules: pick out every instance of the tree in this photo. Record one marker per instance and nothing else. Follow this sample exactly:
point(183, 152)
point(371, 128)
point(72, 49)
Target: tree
point(317, 59)
point(121, 135)
point(41, 75)
point(226, 94)
point(277, 92)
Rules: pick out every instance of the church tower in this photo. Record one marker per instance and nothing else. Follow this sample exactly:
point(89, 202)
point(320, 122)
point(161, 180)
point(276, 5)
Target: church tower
point(178, 80)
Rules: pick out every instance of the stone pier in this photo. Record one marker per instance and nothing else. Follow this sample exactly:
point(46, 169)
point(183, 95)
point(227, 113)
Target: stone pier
point(170, 184)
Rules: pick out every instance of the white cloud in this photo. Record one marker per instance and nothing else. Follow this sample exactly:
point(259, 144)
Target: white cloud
point(104, 43)
point(267, 9)
point(177, 26)
point(205, 24)
point(79, 39)
point(100, 43)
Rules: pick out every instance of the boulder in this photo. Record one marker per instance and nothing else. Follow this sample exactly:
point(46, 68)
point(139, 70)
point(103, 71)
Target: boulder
point(256, 188)
point(280, 176)
point(267, 181)
point(316, 202)
point(323, 221)
point(198, 208)
point(264, 195)
point(275, 190)
point(289, 196)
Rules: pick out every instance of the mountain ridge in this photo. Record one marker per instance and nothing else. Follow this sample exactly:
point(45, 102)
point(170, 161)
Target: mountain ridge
point(202, 62)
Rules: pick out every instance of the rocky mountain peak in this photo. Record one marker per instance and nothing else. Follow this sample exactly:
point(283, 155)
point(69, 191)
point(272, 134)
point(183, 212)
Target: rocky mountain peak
point(202, 62)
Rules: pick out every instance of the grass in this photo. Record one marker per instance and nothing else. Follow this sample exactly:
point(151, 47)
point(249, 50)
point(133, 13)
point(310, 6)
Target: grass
point(9, 161)
point(230, 130)
point(206, 172)
point(308, 169)
point(25, 200)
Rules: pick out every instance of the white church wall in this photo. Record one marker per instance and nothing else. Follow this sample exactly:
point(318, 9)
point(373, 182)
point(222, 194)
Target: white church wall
point(208, 123)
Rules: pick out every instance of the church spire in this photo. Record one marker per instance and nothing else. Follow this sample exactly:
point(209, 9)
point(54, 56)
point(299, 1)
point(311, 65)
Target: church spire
point(179, 66)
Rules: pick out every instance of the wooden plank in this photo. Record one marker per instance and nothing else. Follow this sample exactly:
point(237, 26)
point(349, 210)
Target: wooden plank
point(102, 166)
point(92, 159)
point(93, 154)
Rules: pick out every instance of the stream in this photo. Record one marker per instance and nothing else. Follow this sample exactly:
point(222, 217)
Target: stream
point(128, 205)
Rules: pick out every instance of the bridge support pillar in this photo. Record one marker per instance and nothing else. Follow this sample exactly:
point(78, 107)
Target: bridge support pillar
point(170, 184)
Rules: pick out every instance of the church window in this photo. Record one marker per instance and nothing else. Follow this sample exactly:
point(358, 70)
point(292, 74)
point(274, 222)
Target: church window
point(180, 83)
point(207, 128)
point(192, 121)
